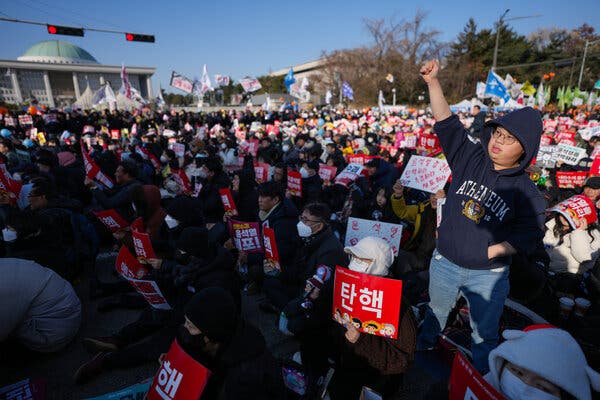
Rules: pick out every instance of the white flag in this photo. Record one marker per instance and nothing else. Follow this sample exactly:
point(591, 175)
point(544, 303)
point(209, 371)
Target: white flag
point(541, 96)
point(159, 97)
point(304, 83)
point(481, 90)
point(380, 99)
point(126, 87)
point(205, 83)
point(328, 97)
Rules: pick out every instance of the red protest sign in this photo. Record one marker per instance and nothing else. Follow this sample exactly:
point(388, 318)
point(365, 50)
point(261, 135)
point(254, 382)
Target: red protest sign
point(261, 171)
point(468, 384)
point(227, 200)
point(271, 253)
point(181, 178)
point(245, 236)
point(141, 241)
point(112, 220)
point(8, 186)
point(595, 168)
point(115, 134)
point(572, 179)
point(91, 169)
point(326, 172)
point(430, 143)
point(131, 269)
point(294, 183)
point(546, 140)
point(349, 174)
point(180, 377)
point(370, 302)
point(575, 208)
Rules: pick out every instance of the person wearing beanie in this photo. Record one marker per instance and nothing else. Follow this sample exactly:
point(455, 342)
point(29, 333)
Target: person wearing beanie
point(365, 359)
point(493, 210)
point(215, 335)
point(541, 362)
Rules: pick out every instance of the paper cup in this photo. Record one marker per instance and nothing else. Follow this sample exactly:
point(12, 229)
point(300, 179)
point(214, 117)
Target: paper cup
point(565, 306)
point(581, 306)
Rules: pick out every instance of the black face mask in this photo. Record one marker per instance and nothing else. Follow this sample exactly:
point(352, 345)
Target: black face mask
point(193, 344)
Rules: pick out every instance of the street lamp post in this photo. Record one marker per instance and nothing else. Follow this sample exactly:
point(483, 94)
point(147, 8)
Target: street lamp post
point(499, 23)
point(394, 96)
point(587, 43)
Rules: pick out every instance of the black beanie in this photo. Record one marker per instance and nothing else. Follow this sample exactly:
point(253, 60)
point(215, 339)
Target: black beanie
point(194, 241)
point(213, 311)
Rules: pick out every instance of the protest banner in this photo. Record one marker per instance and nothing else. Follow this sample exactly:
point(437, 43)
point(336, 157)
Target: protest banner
point(27, 389)
point(426, 173)
point(250, 84)
point(271, 252)
point(349, 174)
point(575, 208)
point(595, 168)
point(370, 302)
point(546, 140)
point(182, 180)
point(131, 270)
point(245, 236)
point(359, 228)
point(294, 183)
point(180, 377)
point(181, 82)
point(252, 147)
point(326, 172)
point(406, 140)
point(569, 154)
point(25, 120)
point(261, 171)
point(299, 93)
point(429, 143)
point(9, 188)
point(570, 179)
point(133, 392)
point(141, 241)
point(115, 134)
point(178, 148)
point(589, 132)
point(227, 200)
point(565, 137)
point(468, 384)
point(112, 220)
point(547, 156)
point(9, 121)
point(360, 159)
point(92, 170)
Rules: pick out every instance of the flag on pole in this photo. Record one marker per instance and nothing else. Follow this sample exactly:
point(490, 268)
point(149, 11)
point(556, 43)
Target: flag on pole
point(159, 97)
point(125, 80)
point(380, 99)
point(205, 81)
point(104, 95)
point(528, 89)
point(495, 87)
point(304, 83)
point(347, 90)
point(541, 96)
point(328, 97)
point(250, 84)
point(181, 82)
point(480, 90)
point(289, 79)
point(222, 80)
point(389, 78)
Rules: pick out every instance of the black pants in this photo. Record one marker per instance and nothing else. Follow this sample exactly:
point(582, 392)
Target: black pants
point(278, 292)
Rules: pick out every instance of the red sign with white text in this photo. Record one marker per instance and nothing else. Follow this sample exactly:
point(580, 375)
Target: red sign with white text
point(180, 377)
point(245, 236)
point(227, 200)
point(271, 253)
point(294, 183)
point(595, 168)
point(327, 173)
point(141, 241)
point(570, 179)
point(468, 384)
point(349, 174)
point(370, 302)
point(112, 220)
point(261, 171)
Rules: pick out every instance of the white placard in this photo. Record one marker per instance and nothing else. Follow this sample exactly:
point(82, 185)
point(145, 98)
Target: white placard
point(360, 228)
point(426, 173)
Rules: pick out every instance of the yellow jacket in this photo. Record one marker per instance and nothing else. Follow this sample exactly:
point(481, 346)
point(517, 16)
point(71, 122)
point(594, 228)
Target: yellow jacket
point(409, 213)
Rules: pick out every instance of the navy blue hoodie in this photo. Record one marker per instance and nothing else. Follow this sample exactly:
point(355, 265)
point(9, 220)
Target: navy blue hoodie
point(484, 206)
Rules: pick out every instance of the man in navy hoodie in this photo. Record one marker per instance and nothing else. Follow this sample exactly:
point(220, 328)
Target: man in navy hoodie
point(492, 211)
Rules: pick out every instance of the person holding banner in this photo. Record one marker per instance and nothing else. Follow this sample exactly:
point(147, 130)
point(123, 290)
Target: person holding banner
point(118, 198)
point(541, 362)
point(365, 359)
point(494, 205)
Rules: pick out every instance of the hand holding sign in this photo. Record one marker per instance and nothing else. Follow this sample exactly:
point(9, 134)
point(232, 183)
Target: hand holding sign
point(398, 189)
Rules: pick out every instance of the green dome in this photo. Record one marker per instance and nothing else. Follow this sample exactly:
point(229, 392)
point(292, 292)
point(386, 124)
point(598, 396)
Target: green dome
point(56, 51)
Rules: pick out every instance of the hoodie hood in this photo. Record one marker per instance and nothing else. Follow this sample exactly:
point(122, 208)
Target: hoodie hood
point(526, 125)
point(376, 249)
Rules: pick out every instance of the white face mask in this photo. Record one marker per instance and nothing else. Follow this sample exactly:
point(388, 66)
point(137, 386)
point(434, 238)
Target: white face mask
point(223, 146)
point(285, 148)
point(164, 159)
point(358, 265)
point(304, 172)
point(171, 222)
point(9, 235)
point(202, 173)
point(303, 230)
point(515, 389)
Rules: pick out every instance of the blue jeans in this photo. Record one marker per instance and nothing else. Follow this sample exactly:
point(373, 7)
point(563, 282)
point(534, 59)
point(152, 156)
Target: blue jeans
point(484, 290)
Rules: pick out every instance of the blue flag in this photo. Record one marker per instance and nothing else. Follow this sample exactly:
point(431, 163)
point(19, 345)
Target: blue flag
point(347, 91)
point(496, 87)
point(289, 79)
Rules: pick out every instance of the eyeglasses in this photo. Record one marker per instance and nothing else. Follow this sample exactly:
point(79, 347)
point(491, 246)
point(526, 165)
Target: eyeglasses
point(507, 138)
point(305, 220)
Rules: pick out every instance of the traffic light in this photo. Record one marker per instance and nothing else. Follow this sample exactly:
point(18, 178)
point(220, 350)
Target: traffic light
point(64, 30)
point(138, 37)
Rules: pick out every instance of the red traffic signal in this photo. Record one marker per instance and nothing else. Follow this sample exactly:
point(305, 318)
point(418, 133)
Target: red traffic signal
point(64, 30)
point(137, 37)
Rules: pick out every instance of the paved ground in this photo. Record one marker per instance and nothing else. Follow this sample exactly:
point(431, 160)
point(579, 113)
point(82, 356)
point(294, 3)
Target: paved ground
point(428, 373)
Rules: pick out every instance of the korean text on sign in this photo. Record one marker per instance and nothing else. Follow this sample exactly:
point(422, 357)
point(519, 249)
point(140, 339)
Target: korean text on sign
point(426, 173)
point(294, 183)
point(468, 384)
point(246, 236)
point(370, 302)
point(359, 228)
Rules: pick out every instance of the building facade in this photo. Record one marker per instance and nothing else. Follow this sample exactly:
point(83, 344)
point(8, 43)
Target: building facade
point(55, 73)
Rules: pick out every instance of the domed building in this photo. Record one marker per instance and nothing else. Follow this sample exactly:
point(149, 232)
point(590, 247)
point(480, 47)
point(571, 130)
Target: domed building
point(55, 73)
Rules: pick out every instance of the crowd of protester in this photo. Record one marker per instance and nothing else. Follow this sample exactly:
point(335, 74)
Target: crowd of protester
point(168, 168)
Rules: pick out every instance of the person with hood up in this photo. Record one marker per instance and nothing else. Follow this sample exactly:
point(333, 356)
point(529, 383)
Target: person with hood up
point(369, 360)
point(381, 173)
point(494, 205)
point(541, 362)
point(215, 335)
